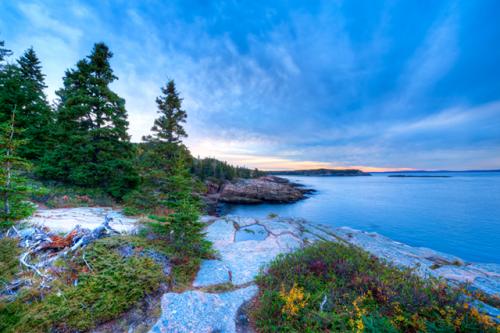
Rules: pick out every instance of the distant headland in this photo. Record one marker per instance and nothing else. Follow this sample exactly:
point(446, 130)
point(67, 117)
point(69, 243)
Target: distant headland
point(321, 172)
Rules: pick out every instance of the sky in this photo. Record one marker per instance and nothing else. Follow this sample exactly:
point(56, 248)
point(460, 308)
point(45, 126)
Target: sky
point(378, 85)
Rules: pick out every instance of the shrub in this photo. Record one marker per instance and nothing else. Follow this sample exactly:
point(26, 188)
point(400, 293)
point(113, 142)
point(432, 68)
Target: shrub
point(334, 287)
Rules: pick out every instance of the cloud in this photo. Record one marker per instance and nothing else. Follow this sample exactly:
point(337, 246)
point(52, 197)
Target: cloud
point(41, 18)
point(285, 84)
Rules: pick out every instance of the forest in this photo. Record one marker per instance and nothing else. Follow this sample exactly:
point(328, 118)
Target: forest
point(81, 140)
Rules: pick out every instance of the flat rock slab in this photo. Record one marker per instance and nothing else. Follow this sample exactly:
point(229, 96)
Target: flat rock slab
point(221, 232)
point(66, 219)
point(200, 312)
point(212, 272)
point(252, 232)
point(245, 246)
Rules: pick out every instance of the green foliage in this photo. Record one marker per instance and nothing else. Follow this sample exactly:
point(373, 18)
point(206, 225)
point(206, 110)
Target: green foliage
point(168, 126)
point(215, 170)
point(339, 288)
point(93, 147)
point(181, 227)
point(3, 52)
point(13, 189)
point(9, 259)
point(22, 88)
point(114, 284)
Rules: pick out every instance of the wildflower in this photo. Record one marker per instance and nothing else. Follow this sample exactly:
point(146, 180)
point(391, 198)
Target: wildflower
point(295, 300)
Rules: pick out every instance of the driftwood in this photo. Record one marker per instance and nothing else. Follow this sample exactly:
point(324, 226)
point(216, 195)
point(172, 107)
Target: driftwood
point(48, 247)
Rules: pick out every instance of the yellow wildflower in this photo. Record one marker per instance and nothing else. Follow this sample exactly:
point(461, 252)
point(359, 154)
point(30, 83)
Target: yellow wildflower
point(294, 300)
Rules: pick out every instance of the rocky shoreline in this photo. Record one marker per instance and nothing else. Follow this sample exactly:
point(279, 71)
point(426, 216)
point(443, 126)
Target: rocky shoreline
point(266, 189)
point(245, 246)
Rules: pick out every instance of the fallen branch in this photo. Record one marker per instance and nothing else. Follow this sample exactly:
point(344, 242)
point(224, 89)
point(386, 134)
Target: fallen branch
point(25, 263)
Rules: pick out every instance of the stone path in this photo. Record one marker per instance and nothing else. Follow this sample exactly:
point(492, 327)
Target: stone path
point(247, 245)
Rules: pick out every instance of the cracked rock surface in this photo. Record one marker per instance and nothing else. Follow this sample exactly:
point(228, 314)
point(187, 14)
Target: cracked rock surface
point(247, 245)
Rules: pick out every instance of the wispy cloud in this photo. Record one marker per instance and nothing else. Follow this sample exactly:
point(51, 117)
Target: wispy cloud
point(290, 85)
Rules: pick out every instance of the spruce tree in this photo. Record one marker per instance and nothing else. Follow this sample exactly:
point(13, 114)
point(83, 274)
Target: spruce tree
point(35, 116)
point(13, 189)
point(93, 149)
point(168, 127)
point(21, 86)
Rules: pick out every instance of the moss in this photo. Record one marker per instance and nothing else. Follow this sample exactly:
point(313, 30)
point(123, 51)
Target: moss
point(9, 259)
point(335, 287)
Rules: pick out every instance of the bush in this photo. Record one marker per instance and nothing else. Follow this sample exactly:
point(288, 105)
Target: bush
point(333, 287)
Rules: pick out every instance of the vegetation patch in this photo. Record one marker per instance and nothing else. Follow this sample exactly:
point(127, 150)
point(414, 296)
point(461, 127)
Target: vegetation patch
point(97, 285)
point(9, 263)
point(330, 287)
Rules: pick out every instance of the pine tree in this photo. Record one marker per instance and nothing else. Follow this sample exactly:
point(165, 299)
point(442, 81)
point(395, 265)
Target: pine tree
point(94, 149)
point(168, 127)
point(35, 116)
point(13, 191)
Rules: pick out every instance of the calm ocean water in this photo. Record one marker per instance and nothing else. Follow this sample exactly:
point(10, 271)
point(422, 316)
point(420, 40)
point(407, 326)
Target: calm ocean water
point(458, 215)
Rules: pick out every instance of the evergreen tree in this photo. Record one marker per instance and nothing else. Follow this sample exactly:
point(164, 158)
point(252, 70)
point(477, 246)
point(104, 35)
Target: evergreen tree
point(168, 127)
point(13, 191)
point(3, 52)
point(35, 116)
point(21, 86)
point(93, 149)
point(182, 227)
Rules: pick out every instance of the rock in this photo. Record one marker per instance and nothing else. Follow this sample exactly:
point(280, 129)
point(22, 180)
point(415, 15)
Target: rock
point(264, 189)
point(66, 219)
point(251, 232)
point(212, 188)
point(212, 272)
point(245, 259)
point(200, 312)
point(483, 277)
point(246, 249)
point(221, 232)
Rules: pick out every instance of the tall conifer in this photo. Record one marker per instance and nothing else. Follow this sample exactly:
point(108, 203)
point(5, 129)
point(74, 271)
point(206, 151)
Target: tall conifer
point(94, 149)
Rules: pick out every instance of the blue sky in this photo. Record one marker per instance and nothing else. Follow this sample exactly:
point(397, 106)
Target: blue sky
point(294, 84)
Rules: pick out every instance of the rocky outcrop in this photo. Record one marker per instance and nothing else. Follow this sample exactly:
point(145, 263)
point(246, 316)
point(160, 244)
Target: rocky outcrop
point(263, 189)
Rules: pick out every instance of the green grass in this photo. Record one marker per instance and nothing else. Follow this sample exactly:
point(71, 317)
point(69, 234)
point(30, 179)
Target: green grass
point(109, 284)
point(331, 287)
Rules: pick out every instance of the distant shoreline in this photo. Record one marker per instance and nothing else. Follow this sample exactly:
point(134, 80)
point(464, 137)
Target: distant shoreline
point(418, 176)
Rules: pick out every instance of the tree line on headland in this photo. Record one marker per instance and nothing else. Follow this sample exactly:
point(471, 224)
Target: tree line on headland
point(82, 140)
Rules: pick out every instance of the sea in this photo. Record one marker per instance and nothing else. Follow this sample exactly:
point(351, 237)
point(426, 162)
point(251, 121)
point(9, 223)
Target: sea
point(457, 214)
